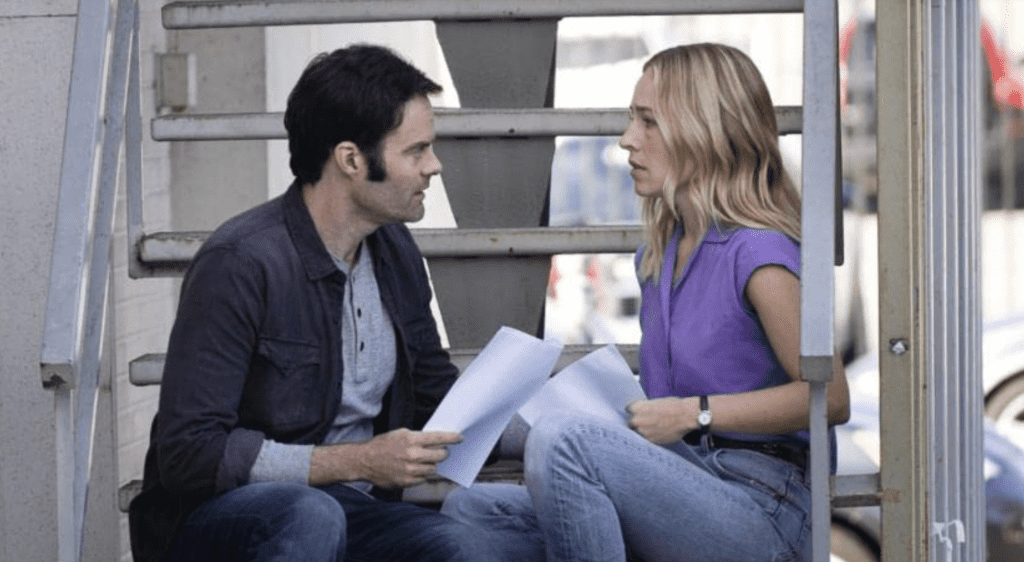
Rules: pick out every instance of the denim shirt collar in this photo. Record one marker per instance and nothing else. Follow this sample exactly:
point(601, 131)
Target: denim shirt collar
point(316, 260)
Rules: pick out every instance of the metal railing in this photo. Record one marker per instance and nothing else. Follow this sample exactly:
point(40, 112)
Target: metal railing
point(77, 300)
point(820, 247)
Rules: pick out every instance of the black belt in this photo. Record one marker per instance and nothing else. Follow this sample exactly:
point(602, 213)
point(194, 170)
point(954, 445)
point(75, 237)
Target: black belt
point(786, 452)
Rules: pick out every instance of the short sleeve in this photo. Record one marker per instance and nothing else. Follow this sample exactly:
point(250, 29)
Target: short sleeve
point(758, 248)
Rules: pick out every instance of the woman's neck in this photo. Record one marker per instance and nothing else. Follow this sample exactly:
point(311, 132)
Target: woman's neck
point(692, 232)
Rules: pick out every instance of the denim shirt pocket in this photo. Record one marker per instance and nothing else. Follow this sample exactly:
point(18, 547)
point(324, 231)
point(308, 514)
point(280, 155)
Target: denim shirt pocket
point(286, 392)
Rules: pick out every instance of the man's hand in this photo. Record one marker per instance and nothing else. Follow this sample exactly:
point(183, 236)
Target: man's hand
point(663, 420)
point(396, 459)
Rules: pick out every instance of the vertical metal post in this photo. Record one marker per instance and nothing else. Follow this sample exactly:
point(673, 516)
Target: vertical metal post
point(938, 347)
point(928, 232)
point(972, 171)
point(133, 157)
point(821, 174)
point(902, 88)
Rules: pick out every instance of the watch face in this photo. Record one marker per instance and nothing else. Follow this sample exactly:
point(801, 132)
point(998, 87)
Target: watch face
point(704, 418)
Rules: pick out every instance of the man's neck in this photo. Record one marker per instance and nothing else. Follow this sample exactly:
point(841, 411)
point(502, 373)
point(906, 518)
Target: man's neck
point(339, 228)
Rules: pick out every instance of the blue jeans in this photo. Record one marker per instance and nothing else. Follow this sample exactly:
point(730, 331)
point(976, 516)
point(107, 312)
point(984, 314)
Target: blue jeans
point(596, 491)
point(291, 522)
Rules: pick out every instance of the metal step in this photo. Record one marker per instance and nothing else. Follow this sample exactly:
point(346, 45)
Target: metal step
point(147, 370)
point(430, 493)
point(449, 122)
point(170, 252)
point(847, 491)
point(222, 13)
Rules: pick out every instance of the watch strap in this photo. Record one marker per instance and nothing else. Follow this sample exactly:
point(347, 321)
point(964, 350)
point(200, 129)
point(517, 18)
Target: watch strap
point(704, 407)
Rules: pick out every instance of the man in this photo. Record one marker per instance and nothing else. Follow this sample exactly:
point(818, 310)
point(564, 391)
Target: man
point(304, 347)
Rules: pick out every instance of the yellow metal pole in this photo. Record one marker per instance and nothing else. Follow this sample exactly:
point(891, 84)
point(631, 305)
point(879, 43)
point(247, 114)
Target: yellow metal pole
point(902, 90)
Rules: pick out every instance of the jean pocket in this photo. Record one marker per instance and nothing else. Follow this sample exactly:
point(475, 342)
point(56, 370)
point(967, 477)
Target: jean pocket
point(774, 479)
point(776, 485)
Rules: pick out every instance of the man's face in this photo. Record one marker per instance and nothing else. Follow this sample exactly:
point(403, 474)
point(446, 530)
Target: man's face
point(409, 161)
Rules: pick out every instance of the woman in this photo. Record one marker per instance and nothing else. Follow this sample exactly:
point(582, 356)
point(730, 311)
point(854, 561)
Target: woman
point(719, 357)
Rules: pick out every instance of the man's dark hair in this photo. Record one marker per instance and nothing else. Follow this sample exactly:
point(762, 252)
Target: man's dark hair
point(353, 94)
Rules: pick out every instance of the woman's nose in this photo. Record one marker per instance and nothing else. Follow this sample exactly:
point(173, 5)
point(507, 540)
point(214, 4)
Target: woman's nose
point(627, 140)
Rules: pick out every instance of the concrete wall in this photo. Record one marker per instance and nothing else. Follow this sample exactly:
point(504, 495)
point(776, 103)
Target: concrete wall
point(35, 65)
point(214, 180)
point(36, 47)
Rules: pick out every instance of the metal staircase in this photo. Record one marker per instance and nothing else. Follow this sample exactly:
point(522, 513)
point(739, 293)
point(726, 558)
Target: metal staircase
point(497, 152)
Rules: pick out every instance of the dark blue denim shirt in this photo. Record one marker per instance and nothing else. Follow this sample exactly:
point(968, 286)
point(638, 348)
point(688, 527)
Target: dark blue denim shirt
point(255, 353)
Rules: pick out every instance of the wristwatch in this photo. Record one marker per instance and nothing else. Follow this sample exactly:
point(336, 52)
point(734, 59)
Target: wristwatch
point(704, 417)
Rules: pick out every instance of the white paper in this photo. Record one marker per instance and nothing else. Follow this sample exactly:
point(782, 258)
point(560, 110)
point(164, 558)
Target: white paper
point(506, 373)
point(601, 384)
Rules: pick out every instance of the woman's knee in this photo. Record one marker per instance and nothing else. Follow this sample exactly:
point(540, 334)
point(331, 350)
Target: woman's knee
point(552, 431)
point(564, 435)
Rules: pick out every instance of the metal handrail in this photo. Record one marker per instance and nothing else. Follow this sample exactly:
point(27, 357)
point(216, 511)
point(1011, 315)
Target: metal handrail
point(77, 302)
point(72, 244)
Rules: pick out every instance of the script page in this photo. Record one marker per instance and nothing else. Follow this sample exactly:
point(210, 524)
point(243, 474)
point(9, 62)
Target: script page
point(600, 384)
point(507, 372)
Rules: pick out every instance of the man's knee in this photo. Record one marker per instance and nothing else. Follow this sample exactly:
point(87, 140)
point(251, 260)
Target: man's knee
point(308, 515)
point(272, 521)
point(455, 541)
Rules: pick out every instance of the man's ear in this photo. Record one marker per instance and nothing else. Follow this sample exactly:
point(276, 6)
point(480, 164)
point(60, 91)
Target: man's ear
point(349, 159)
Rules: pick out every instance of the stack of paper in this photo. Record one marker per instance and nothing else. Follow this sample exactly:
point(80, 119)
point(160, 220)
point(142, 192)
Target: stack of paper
point(512, 374)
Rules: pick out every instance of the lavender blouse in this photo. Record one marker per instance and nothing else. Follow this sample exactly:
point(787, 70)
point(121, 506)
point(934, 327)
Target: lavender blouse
point(700, 333)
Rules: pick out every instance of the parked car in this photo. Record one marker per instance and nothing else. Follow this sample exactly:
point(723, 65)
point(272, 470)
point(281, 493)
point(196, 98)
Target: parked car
point(856, 531)
point(1003, 373)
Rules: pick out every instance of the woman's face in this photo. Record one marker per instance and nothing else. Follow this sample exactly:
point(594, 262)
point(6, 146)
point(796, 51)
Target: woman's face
point(643, 140)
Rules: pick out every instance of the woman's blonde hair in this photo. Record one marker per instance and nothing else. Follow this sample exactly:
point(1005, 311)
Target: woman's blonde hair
point(716, 116)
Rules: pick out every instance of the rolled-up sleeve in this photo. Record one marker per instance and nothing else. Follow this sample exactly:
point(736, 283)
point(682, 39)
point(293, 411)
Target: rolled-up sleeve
point(201, 447)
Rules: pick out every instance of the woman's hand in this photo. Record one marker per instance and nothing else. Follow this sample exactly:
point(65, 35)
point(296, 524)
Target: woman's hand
point(663, 420)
